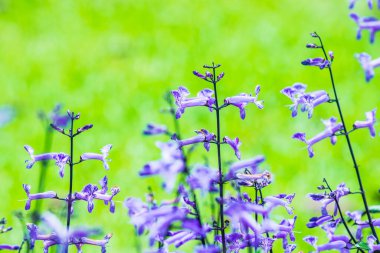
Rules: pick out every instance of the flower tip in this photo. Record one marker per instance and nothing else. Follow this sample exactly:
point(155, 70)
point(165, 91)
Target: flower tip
point(314, 35)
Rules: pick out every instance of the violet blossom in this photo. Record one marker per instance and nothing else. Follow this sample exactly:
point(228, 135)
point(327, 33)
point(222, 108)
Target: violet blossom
point(168, 167)
point(241, 101)
point(91, 192)
point(371, 24)
point(61, 159)
point(318, 62)
point(60, 235)
point(4, 229)
point(207, 249)
point(332, 127)
point(307, 101)
point(234, 144)
point(101, 157)
point(371, 240)
point(369, 2)
point(203, 98)
point(155, 129)
point(202, 136)
point(369, 123)
point(283, 231)
point(203, 178)
point(332, 245)
point(368, 65)
point(36, 196)
point(237, 241)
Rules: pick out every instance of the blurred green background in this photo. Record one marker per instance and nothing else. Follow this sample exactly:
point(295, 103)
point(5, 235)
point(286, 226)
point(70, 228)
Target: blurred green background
point(112, 61)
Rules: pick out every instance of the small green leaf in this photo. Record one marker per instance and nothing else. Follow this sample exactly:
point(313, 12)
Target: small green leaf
point(362, 245)
point(374, 209)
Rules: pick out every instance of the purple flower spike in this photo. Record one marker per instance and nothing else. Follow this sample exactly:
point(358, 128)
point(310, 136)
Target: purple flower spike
point(368, 65)
point(235, 144)
point(61, 159)
point(203, 136)
point(369, 123)
point(208, 249)
point(331, 128)
point(203, 98)
point(42, 195)
point(101, 157)
point(371, 24)
point(154, 129)
point(319, 62)
point(243, 99)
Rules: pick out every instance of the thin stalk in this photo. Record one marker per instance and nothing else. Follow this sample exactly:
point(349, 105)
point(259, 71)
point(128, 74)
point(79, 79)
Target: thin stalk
point(262, 203)
point(341, 215)
point(221, 215)
point(70, 201)
point(43, 172)
point(350, 146)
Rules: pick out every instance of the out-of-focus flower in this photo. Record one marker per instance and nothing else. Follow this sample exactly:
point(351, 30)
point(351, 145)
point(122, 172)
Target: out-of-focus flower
point(283, 231)
point(369, 123)
point(60, 235)
point(7, 113)
point(331, 128)
point(352, 4)
point(203, 98)
point(61, 159)
point(371, 240)
point(241, 101)
point(238, 241)
point(207, 249)
point(155, 129)
point(4, 229)
point(250, 164)
point(368, 65)
point(203, 178)
point(101, 157)
point(371, 24)
point(168, 166)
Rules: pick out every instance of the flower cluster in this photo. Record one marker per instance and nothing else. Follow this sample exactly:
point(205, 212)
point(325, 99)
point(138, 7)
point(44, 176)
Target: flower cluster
point(4, 229)
point(66, 236)
point(248, 223)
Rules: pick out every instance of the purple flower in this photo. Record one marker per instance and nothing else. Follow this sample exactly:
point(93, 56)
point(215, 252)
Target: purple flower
point(252, 164)
point(101, 157)
point(168, 166)
point(237, 241)
point(9, 247)
point(318, 221)
point(243, 99)
point(206, 76)
point(203, 98)
point(352, 4)
point(327, 199)
point(207, 249)
point(367, 23)
point(369, 123)
point(42, 195)
point(337, 245)
point(203, 178)
point(61, 159)
point(154, 129)
point(368, 65)
point(60, 235)
point(235, 144)
point(203, 136)
point(91, 192)
point(282, 230)
point(371, 240)
point(279, 200)
point(307, 101)
point(319, 62)
point(331, 128)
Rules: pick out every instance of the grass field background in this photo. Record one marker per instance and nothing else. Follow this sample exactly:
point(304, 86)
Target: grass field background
point(112, 61)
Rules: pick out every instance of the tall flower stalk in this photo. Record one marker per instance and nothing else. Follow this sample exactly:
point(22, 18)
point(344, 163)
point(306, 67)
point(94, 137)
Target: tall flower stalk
point(347, 137)
point(64, 236)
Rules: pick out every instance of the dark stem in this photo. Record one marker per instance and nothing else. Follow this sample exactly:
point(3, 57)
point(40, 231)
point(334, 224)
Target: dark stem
point(221, 208)
point(43, 172)
point(350, 146)
point(70, 201)
point(341, 214)
point(262, 203)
